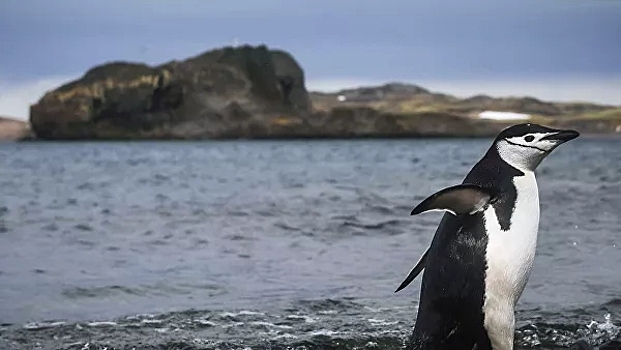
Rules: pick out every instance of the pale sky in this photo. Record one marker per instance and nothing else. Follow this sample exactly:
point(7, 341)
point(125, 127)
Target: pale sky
point(551, 49)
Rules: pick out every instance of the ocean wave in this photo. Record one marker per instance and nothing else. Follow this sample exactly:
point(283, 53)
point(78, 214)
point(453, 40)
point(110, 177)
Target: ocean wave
point(314, 324)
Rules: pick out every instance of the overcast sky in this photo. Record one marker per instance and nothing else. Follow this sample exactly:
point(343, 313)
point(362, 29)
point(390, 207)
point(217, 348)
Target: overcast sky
point(552, 49)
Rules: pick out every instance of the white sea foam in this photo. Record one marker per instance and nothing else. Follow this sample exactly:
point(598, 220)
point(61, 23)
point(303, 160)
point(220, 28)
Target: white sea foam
point(268, 324)
point(306, 319)
point(101, 323)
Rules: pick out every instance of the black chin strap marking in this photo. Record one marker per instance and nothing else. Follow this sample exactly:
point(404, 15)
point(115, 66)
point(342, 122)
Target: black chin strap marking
point(533, 147)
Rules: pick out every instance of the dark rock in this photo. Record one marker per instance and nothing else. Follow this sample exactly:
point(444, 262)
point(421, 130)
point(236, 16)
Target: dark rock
point(220, 93)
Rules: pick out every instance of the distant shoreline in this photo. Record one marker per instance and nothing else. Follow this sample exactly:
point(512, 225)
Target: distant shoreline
point(20, 131)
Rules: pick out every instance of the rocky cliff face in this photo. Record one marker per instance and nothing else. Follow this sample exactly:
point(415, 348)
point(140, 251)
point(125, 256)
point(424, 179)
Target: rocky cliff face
point(230, 92)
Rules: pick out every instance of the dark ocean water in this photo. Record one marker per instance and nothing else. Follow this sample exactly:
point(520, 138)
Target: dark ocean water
point(269, 245)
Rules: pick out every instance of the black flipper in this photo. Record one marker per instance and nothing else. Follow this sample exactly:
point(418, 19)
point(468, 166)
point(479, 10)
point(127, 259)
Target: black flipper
point(457, 200)
point(420, 265)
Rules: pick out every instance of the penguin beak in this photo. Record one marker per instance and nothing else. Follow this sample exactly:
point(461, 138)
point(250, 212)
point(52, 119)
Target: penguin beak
point(562, 136)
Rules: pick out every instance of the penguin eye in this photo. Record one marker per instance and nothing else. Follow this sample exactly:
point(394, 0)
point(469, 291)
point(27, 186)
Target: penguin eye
point(529, 138)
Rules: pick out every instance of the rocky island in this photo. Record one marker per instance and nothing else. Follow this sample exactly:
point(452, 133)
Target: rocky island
point(257, 92)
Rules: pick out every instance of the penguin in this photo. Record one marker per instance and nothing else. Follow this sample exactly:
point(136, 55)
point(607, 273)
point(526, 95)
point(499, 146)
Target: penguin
point(481, 255)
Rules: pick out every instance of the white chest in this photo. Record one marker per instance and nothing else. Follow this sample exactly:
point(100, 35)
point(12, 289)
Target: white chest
point(510, 256)
point(510, 253)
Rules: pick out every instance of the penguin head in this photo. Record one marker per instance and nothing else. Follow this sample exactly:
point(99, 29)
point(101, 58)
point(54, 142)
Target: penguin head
point(524, 146)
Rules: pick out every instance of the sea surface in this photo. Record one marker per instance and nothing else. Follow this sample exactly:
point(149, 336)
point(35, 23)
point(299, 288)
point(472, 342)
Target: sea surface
point(276, 244)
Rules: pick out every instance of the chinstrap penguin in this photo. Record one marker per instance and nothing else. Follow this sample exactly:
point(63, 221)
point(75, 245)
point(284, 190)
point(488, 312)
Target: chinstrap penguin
point(481, 255)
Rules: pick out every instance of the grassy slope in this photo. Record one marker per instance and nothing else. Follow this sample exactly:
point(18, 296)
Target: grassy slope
point(409, 99)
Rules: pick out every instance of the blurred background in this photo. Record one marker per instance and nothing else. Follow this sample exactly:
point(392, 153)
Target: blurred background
point(283, 147)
